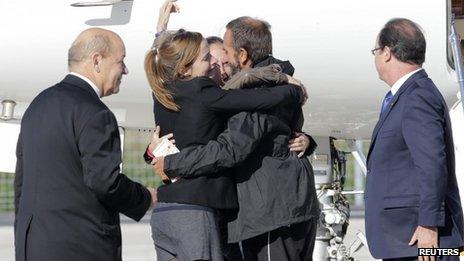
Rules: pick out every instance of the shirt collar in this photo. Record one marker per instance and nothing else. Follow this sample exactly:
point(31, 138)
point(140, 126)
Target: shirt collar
point(394, 89)
point(94, 87)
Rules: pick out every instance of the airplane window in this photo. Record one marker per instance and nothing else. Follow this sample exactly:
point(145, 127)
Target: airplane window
point(135, 142)
point(6, 192)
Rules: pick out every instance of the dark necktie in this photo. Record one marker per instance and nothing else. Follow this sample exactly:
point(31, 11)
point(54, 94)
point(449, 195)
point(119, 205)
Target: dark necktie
point(386, 102)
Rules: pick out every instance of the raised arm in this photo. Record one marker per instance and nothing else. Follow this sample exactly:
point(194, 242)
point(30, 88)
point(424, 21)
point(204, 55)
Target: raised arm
point(165, 11)
point(244, 133)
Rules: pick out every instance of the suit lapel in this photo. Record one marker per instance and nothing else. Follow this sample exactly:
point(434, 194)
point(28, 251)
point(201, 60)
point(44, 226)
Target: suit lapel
point(383, 117)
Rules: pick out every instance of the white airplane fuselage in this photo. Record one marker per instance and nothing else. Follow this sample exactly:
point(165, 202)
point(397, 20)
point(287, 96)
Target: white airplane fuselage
point(328, 42)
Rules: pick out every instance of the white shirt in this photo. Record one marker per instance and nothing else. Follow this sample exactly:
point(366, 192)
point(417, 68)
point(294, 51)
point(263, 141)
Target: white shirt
point(394, 89)
point(95, 88)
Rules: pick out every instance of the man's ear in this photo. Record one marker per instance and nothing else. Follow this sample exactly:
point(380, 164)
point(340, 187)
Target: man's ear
point(244, 58)
point(386, 54)
point(96, 61)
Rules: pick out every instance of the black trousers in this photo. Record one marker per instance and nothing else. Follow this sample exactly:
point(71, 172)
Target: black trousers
point(292, 243)
point(230, 252)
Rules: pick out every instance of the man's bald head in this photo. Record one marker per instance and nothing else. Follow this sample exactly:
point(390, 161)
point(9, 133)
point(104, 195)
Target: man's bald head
point(98, 54)
point(93, 40)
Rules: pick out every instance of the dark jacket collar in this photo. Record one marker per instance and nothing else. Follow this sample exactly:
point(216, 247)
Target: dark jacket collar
point(76, 81)
point(286, 66)
point(418, 75)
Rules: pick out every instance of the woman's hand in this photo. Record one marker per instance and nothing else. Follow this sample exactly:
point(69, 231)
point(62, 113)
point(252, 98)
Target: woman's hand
point(156, 139)
point(158, 163)
point(299, 144)
point(165, 11)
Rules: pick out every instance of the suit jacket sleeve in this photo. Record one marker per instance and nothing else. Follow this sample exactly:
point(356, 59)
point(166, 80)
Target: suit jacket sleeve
point(256, 99)
point(18, 181)
point(244, 133)
point(99, 144)
point(423, 131)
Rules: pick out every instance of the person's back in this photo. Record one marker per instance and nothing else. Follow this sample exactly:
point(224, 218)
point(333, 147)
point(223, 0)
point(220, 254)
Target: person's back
point(276, 189)
point(54, 194)
point(195, 124)
point(291, 114)
point(198, 122)
point(291, 200)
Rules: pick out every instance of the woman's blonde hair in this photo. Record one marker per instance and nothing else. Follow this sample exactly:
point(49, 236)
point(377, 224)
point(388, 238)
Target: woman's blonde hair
point(168, 58)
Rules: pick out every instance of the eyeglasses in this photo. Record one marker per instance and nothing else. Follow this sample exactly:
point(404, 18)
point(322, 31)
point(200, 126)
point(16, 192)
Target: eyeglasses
point(375, 49)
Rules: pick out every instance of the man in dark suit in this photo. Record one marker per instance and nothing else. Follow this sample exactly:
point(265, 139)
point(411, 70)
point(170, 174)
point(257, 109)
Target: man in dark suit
point(68, 189)
point(412, 199)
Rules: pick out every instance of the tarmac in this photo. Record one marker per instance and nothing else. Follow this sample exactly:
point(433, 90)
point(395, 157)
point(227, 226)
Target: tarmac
point(138, 245)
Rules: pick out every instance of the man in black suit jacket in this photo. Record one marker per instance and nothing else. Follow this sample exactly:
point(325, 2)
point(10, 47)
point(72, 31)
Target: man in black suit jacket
point(68, 189)
point(412, 198)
